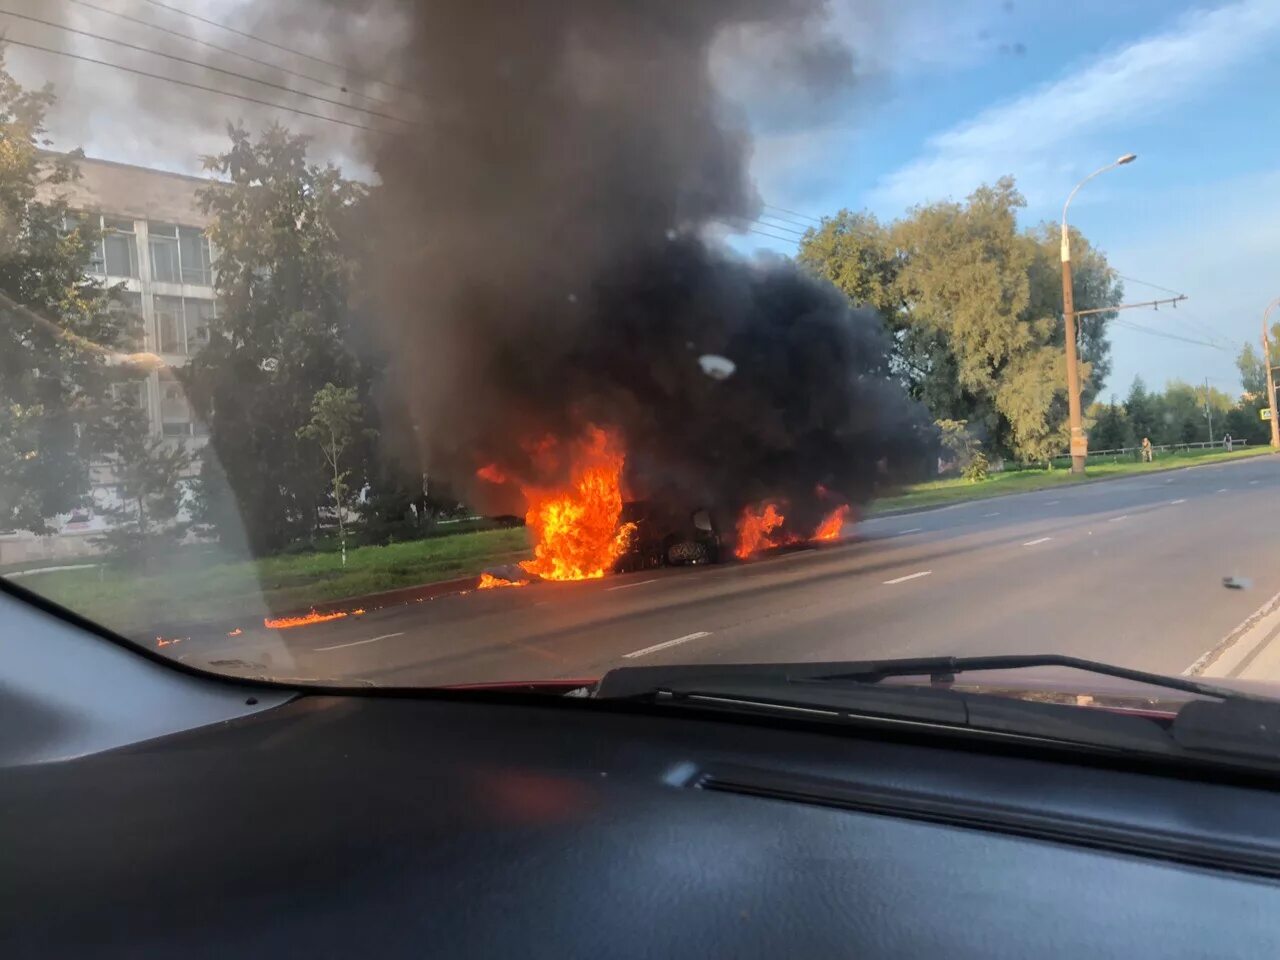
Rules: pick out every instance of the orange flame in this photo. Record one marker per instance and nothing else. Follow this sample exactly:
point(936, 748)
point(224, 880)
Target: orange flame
point(489, 582)
point(575, 529)
point(755, 530)
point(832, 524)
point(235, 633)
point(492, 473)
point(285, 623)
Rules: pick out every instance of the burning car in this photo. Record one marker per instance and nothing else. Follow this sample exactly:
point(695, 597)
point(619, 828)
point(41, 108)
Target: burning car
point(657, 536)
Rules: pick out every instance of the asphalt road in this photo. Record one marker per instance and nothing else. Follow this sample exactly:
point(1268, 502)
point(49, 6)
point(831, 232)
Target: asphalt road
point(1127, 571)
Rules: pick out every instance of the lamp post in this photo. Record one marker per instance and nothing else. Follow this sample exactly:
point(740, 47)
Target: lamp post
point(1271, 382)
point(1079, 442)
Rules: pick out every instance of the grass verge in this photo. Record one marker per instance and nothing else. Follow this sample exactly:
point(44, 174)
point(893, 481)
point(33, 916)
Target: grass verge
point(193, 589)
point(957, 490)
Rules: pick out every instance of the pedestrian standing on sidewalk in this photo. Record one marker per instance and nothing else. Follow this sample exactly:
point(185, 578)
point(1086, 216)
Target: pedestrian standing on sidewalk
point(1146, 450)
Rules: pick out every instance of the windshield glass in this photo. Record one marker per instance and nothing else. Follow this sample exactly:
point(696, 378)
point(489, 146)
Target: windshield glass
point(458, 342)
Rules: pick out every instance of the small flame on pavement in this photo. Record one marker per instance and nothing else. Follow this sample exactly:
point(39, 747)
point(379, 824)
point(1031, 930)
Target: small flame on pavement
point(168, 641)
point(832, 524)
point(489, 582)
point(235, 633)
point(285, 623)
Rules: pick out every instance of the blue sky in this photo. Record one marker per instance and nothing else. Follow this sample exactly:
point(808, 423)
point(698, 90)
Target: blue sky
point(961, 92)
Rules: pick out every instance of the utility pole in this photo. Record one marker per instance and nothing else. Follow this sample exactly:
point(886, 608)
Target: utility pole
point(1271, 380)
point(1208, 409)
point(1079, 442)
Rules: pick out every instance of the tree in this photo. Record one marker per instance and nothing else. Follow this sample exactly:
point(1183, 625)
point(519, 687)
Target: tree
point(58, 332)
point(1141, 413)
point(335, 419)
point(1111, 428)
point(282, 227)
point(148, 472)
point(974, 307)
point(1253, 372)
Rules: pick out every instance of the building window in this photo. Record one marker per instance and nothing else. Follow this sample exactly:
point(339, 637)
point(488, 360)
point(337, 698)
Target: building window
point(175, 411)
point(115, 252)
point(120, 247)
point(179, 254)
point(193, 249)
point(126, 308)
point(170, 324)
point(199, 314)
point(162, 239)
point(132, 392)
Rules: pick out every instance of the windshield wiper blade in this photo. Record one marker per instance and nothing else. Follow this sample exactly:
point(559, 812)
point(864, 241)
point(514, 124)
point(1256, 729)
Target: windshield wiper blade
point(943, 670)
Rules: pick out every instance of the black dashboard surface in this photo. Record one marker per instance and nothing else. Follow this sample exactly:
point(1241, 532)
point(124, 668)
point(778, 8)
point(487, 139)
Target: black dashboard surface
point(368, 826)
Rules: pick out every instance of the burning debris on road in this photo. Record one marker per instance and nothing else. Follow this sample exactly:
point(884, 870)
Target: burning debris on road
point(567, 335)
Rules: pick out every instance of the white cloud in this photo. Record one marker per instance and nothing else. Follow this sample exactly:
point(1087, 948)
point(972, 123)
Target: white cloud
point(1129, 84)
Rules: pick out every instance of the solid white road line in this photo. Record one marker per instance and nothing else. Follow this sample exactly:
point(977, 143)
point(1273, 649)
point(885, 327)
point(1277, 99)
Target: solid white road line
point(628, 586)
point(1032, 543)
point(1180, 500)
point(670, 643)
point(358, 643)
point(1123, 516)
point(909, 576)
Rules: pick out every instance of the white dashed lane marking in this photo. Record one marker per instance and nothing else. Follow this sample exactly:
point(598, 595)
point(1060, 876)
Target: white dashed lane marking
point(359, 643)
point(912, 530)
point(638, 583)
point(1123, 516)
point(1179, 500)
point(909, 576)
point(1032, 543)
point(669, 643)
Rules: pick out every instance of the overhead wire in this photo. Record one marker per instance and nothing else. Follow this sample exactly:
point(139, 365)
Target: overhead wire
point(226, 50)
point(187, 83)
point(1130, 325)
point(204, 66)
point(1185, 318)
point(774, 235)
point(273, 44)
point(802, 216)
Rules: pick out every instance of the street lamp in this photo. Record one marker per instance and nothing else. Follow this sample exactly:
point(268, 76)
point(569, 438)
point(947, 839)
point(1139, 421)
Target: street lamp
point(1271, 383)
point(1079, 442)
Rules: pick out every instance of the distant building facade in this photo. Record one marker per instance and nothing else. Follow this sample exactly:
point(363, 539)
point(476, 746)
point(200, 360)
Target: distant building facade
point(154, 246)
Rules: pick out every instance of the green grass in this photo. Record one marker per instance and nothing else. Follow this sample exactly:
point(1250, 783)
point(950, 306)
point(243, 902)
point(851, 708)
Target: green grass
point(195, 587)
point(955, 490)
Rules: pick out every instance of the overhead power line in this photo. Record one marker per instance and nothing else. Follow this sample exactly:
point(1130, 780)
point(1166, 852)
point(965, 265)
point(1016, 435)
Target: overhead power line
point(226, 50)
point(787, 220)
point(1145, 283)
point(204, 66)
point(188, 83)
point(802, 216)
point(271, 43)
point(1129, 325)
point(774, 235)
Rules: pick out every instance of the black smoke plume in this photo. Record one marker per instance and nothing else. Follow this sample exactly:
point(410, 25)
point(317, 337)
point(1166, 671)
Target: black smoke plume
point(542, 264)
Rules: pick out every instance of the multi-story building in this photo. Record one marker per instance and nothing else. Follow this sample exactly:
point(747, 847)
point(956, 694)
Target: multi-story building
point(154, 246)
